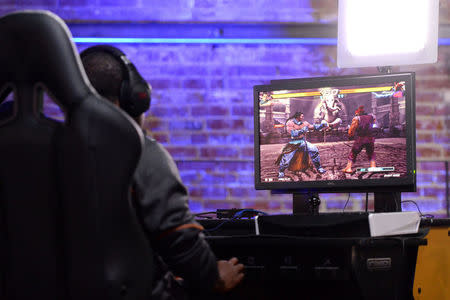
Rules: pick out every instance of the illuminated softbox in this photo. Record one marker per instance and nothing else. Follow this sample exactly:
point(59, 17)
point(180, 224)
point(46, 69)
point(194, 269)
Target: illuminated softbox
point(387, 32)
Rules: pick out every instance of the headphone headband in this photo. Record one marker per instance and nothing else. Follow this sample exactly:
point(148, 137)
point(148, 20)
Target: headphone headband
point(135, 92)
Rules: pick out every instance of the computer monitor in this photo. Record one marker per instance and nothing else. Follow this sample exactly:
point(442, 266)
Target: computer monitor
point(337, 134)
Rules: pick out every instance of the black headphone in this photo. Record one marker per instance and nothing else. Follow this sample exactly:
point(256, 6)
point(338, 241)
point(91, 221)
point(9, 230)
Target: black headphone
point(135, 92)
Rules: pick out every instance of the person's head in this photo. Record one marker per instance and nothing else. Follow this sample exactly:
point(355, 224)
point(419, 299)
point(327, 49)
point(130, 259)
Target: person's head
point(115, 78)
point(360, 111)
point(298, 116)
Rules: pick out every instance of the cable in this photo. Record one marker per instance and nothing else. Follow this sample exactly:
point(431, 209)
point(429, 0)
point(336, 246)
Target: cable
point(421, 214)
point(399, 202)
point(205, 214)
point(257, 212)
point(367, 201)
point(346, 202)
point(217, 227)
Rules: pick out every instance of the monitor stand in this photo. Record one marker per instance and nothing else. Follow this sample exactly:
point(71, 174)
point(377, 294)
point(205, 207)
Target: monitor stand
point(305, 203)
point(387, 202)
point(308, 203)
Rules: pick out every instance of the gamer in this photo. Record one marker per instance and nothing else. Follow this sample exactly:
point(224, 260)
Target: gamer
point(159, 196)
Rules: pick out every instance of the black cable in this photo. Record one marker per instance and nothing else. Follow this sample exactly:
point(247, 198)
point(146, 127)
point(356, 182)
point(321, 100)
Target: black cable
point(421, 214)
point(346, 202)
point(204, 217)
point(204, 214)
point(258, 212)
point(398, 201)
point(217, 227)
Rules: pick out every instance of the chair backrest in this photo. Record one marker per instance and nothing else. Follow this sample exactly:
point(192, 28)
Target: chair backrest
point(67, 228)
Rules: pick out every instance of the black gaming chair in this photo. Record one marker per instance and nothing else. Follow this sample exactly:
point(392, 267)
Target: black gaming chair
point(67, 229)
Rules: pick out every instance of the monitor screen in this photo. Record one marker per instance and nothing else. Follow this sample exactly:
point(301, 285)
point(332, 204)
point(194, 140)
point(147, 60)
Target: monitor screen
point(333, 134)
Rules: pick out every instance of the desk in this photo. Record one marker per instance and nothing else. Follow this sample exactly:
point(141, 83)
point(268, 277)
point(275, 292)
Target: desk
point(278, 266)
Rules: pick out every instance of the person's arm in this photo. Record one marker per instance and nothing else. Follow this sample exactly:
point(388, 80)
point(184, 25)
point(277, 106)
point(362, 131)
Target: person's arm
point(319, 126)
point(353, 126)
point(374, 120)
point(161, 203)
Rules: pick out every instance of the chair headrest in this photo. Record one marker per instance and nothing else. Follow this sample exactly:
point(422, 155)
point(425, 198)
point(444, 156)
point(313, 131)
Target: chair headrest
point(43, 54)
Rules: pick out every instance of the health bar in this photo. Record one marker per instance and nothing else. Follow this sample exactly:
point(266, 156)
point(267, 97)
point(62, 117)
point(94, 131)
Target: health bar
point(295, 95)
point(376, 169)
point(346, 91)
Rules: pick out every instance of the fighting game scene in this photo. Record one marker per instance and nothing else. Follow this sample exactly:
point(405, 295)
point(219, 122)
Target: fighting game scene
point(333, 133)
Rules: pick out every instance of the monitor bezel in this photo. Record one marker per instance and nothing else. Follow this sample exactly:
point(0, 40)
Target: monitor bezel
point(403, 184)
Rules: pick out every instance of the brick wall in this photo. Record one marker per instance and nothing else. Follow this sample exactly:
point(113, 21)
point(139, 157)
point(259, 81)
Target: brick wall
point(202, 109)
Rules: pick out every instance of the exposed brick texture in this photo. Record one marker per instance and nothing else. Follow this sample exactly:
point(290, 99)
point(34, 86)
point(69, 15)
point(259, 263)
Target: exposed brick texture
point(202, 104)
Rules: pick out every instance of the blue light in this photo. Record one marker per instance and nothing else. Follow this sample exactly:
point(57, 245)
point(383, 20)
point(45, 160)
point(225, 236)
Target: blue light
point(276, 41)
point(301, 41)
point(444, 42)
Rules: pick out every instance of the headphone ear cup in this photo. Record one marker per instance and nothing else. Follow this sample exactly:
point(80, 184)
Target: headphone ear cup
point(139, 99)
point(136, 93)
point(135, 99)
point(125, 95)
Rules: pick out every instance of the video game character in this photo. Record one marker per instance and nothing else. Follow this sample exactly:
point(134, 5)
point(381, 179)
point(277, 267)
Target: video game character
point(361, 129)
point(298, 129)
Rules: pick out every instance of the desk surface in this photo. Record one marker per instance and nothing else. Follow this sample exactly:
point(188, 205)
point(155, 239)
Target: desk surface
point(317, 267)
point(435, 222)
point(339, 228)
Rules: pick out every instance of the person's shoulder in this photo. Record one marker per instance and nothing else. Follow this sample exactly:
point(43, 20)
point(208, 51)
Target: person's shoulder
point(149, 141)
point(152, 146)
point(156, 152)
point(155, 157)
point(290, 124)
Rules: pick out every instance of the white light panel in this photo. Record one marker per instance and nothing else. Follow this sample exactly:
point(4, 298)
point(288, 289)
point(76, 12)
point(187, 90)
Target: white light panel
point(387, 32)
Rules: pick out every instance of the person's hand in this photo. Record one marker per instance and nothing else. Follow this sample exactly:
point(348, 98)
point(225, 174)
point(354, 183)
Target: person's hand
point(230, 274)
